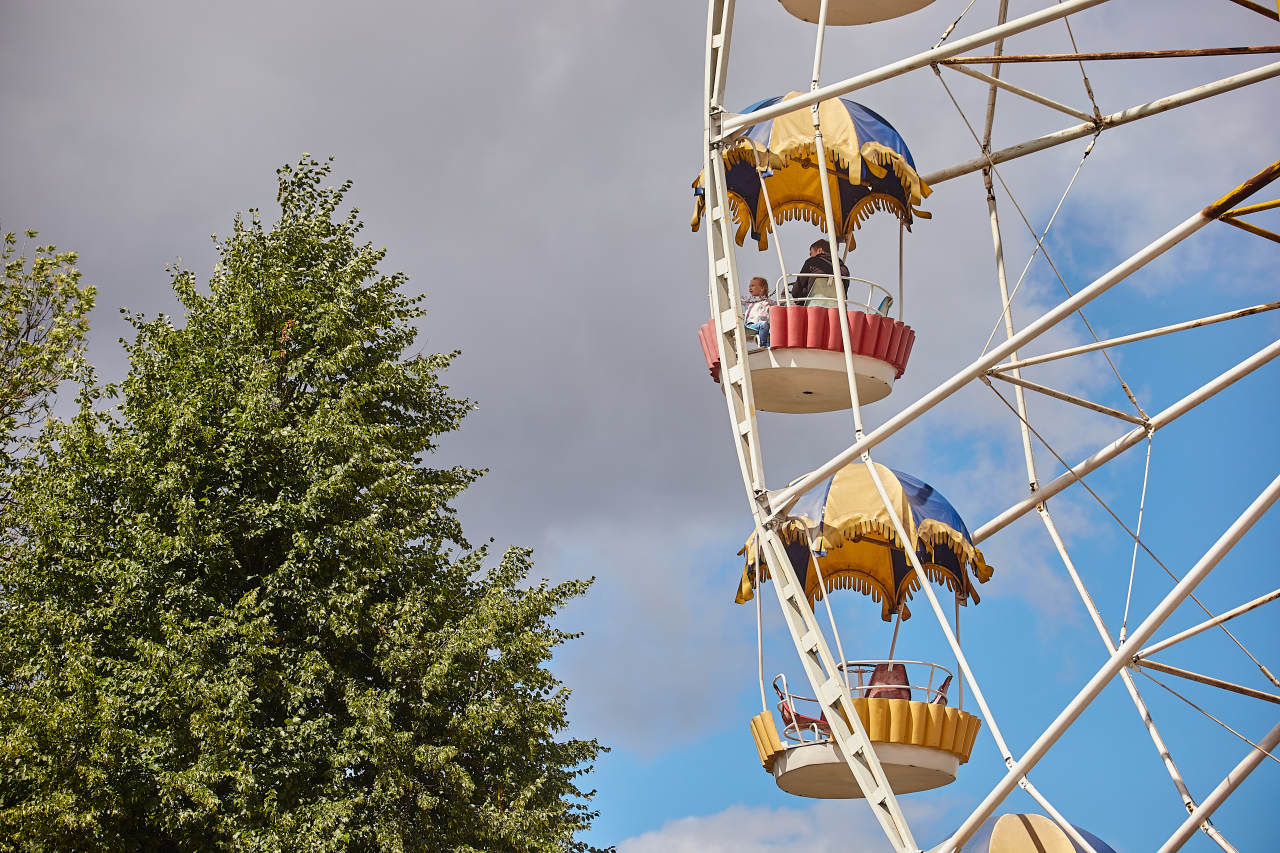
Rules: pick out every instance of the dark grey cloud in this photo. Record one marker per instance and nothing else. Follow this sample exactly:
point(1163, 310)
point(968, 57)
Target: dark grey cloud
point(529, 166)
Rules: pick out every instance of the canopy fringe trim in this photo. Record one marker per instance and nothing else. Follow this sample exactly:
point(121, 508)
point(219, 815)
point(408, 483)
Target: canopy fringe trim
point(880, 158)
point(832, 536)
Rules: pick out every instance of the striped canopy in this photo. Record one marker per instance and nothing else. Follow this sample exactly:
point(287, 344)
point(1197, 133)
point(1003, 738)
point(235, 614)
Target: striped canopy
point(869, 169)
point(856, 546)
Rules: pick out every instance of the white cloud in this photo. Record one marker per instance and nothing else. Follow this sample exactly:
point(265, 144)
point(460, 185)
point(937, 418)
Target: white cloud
point(823, 827)
point(660, 627)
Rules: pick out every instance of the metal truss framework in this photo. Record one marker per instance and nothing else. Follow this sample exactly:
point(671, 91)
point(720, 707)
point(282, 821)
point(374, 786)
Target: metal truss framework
point(1125, 653)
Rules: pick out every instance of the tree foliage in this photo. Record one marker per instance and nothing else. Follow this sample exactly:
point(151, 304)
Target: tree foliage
point(43, 320)
point(241, 613)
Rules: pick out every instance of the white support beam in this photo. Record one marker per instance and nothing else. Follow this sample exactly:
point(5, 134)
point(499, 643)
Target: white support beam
point(1117, 662)
point(1188, 96)
point(1206, 625)
point(998, 49)
point(1220, 793)
point(1137, 336)
point(734, 124)
point(1120, 445)
point(1175, 775)
point(781, 500)
point(1026, 93)
point(1013, 379)
point(1207, 679)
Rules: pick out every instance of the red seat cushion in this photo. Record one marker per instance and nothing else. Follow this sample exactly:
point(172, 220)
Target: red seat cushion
point(889, 673)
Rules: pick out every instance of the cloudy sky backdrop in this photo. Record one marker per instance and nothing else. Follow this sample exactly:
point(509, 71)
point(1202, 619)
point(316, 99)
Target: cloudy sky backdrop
point(529, 166)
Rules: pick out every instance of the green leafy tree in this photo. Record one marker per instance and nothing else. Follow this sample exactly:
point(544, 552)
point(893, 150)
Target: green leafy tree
point(43, 320)
point(241, 614)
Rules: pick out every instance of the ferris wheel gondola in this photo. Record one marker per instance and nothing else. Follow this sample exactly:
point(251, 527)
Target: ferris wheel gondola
point(789, 159)
point(841, 536)
point(773, 177)
point(842, 13)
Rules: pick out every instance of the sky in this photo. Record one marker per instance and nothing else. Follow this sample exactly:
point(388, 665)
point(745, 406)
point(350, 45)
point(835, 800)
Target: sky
point(529, 167)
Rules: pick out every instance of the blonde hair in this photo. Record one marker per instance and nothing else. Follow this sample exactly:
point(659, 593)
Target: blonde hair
point(760, 279)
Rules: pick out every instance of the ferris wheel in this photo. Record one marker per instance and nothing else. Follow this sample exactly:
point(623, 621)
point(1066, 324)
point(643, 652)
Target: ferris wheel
point(822, 338)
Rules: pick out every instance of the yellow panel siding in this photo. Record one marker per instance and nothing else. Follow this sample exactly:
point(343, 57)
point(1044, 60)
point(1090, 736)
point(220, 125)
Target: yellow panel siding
point(765, 734)
point(919, 724)
point(934, 714)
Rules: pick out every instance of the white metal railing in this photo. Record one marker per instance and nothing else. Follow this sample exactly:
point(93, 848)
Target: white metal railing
point(921, 681)
point(878, 299)
point(798, 726)
point(871, 677)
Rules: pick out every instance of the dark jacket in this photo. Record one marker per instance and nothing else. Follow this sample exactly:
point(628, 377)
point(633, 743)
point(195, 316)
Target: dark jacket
point(819, 265)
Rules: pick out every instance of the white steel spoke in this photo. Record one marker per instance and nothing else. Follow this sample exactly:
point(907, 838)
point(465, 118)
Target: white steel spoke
point(1224, 789)
point(1028, 454)
point(1137, 537)
point(987, 173)
point(1137, 336)
point(847, 732)
point(828, 678)
point(737, 123)
point(1204, 626)
point(1188, 96)
point(1078, 472)
point(782, 500)
point(1117, 662)
point(1206, 679)
point(1139, 704)
point(1065, 397)
point(1026, 268)
point(1132, 534)
point(998, 49)
point(1191, 704)
point(996, 82)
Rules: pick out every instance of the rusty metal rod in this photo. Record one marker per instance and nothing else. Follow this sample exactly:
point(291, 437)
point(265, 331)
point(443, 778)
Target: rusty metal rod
point(1113, 54)
point(1251, 228)
point(1253, 208)
point(736, 123)
point(1207, 679)
point(1137, 336)
point(1240, 193)
point(1067, 398)
point(1259, 8)
point(1189, 96)
point(996, 82)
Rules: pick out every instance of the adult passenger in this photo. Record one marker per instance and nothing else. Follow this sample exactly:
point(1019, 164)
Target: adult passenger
point(815, 281)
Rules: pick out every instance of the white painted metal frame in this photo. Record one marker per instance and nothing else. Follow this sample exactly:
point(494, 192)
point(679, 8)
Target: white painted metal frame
point(1112, 667)
point(826, 680)
point(1079, 131)
point(769, 507)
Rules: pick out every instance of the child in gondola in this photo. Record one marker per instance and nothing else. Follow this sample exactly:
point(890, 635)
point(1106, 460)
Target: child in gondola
point(757, 305)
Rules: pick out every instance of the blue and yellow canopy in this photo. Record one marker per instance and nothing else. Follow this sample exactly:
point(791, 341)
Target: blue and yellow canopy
point(868, 166)
point(858, 548)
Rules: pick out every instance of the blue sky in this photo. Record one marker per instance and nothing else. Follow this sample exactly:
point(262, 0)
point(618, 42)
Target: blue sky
point(1030, 640)
point(528, 165)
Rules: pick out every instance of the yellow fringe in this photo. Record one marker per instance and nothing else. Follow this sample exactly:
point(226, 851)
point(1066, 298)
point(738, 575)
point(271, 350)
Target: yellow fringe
point(929, 538)
point(878, 157)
